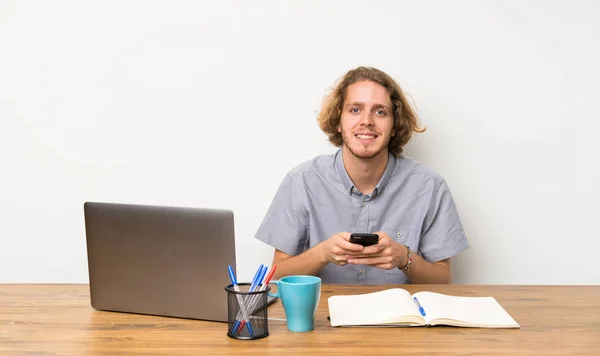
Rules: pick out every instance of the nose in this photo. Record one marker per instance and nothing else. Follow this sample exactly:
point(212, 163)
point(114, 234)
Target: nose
point(367, 119)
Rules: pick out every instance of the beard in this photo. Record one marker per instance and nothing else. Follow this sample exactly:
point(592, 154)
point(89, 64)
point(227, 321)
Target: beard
point(364, 152)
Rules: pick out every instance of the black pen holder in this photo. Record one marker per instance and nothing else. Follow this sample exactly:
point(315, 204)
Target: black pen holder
point(245, 307)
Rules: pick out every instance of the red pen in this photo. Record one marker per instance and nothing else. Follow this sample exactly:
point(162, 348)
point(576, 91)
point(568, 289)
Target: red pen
point(263, 286)
point(268, 279)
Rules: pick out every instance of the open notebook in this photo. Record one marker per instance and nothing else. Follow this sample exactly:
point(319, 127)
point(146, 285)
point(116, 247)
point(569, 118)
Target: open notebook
point(397, 307)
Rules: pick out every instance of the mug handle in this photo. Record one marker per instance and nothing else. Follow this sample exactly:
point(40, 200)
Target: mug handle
point(275, 295)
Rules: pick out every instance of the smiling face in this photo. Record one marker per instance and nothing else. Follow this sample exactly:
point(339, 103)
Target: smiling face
point(367, 121)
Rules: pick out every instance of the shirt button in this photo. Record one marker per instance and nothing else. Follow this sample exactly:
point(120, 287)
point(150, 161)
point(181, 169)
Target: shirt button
point(361, 271)
point(364, 204)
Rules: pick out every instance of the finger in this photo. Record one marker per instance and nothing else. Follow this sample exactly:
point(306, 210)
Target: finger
point(339, 250)
point(342, 240)
point(357, 254)
point(340, 260)
point(369, 261)
point(364, 255)
point(387, 266)
point(383, 238)
point(374, 249)
point(382, 234)
point(371, 251)
point(349, 247)
point(345, 235)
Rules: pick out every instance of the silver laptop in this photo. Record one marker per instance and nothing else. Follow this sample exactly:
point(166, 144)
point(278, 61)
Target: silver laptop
point(157, 260)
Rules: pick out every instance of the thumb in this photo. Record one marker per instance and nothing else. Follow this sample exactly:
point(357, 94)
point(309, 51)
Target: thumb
point(345, 235)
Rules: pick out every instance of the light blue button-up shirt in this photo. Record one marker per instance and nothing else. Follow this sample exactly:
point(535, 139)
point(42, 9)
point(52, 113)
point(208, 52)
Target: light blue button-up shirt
point(411, 203)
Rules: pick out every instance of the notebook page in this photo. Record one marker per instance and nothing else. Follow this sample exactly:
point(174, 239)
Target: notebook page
point(371, 308)
point(475, 311)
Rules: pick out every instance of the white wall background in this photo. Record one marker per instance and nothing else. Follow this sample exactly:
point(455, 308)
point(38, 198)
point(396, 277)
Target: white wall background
point(209, 104)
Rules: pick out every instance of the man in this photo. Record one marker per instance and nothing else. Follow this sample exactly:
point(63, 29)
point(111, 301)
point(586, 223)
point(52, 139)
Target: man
point(367, 186)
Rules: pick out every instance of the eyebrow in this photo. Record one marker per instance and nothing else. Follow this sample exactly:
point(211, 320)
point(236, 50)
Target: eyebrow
point(361, 104)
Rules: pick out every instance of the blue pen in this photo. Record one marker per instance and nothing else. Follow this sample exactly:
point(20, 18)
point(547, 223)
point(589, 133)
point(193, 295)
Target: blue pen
point(258, 281)
point(262, 284)
point(421, 310)
point(236, 325)
point(243, 310)
point(251, 300)
point(256, 275)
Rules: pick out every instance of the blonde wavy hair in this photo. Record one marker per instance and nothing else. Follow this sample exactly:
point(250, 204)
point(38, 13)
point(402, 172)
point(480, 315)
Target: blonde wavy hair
point(405, 118)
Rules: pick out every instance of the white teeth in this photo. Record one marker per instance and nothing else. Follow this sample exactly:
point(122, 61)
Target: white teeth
point(365, 136)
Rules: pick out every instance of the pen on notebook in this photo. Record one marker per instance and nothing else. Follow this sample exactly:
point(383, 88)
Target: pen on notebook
point(421, 310)
point(237, 321)
point(240, 302)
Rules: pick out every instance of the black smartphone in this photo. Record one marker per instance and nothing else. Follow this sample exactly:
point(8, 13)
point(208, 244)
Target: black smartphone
point(364, 239)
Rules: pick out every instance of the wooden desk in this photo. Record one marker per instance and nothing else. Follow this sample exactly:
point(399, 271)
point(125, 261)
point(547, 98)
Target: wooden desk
point(58, 320)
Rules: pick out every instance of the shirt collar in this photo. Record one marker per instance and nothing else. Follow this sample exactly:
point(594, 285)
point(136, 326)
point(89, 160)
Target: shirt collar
point(387, 174)
point(347, 182)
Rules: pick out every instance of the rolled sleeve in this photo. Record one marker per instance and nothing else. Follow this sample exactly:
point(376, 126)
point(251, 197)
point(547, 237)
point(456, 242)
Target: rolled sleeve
point(443, 235)
point(285, 224)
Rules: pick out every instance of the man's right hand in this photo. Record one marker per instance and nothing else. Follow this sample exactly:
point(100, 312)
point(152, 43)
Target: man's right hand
point(338, 249)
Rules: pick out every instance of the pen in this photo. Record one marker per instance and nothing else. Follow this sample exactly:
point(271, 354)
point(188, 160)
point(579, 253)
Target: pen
point(239, 299)
point(268, 279)
point(256, 282)
point(421, 310)
point(264, 286)
point(262, 270)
